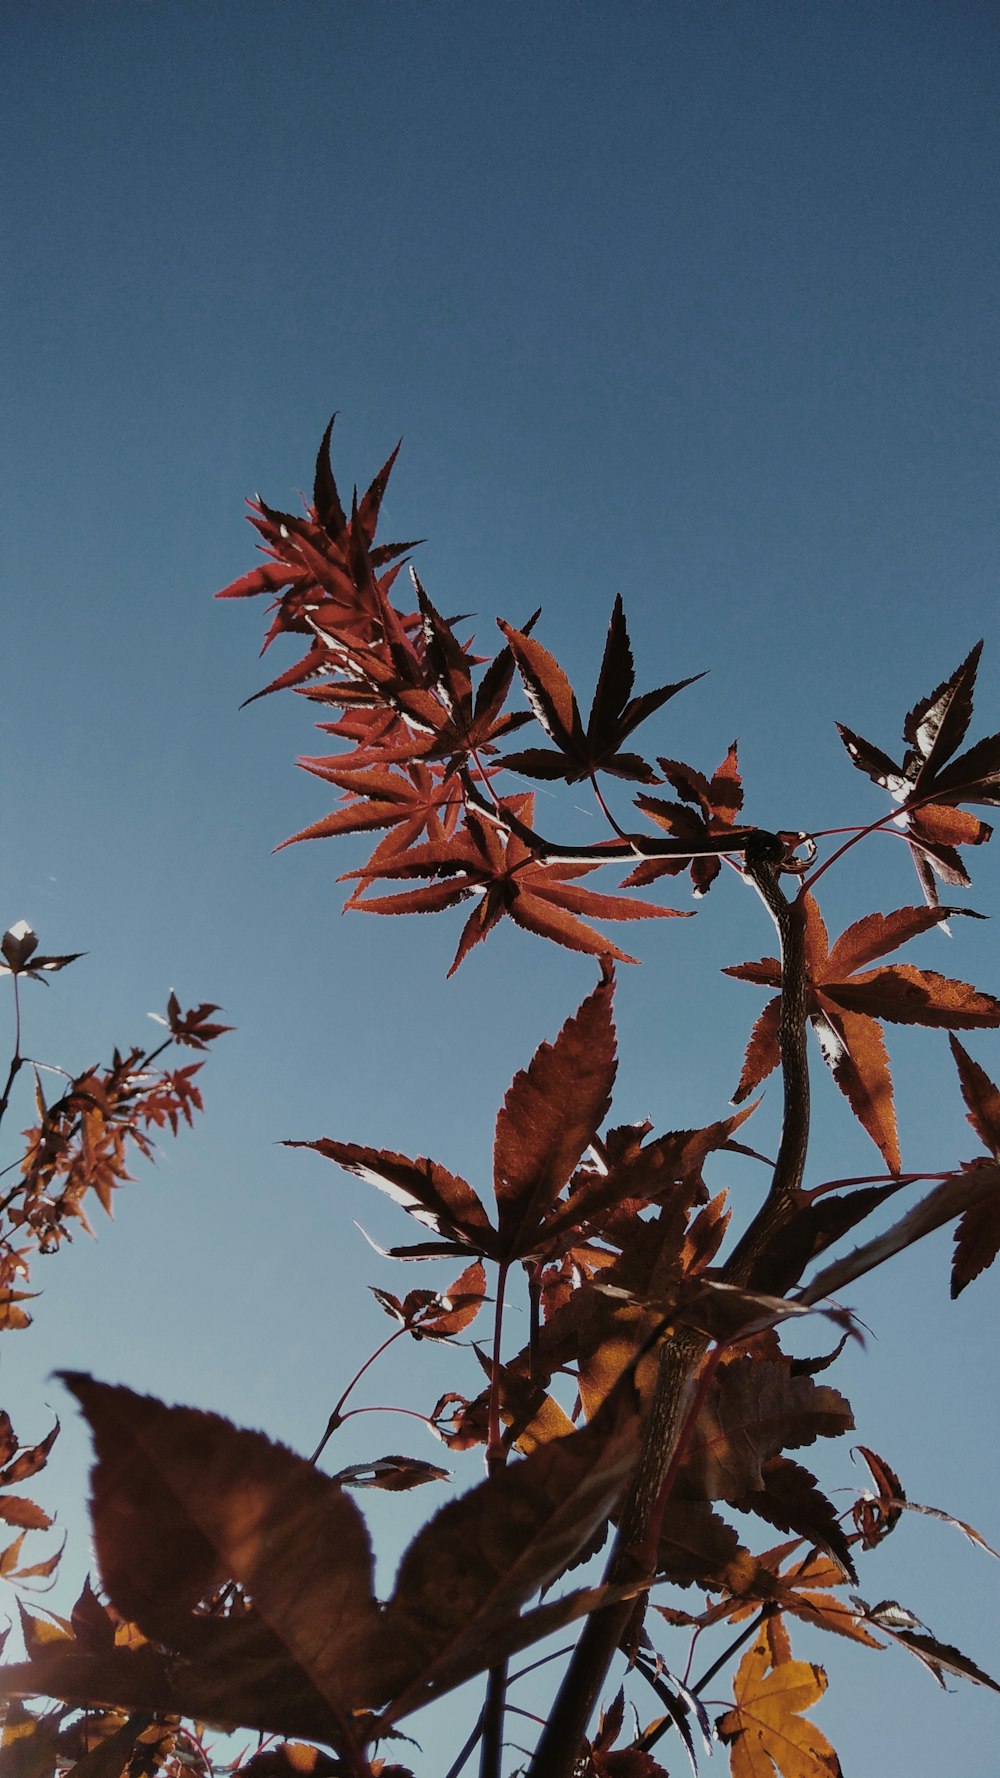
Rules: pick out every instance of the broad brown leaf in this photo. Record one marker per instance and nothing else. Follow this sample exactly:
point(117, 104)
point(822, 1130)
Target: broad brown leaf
point(442, 1201)
point(755, 1410)
point(474, 1566)
point(791, 1500)
point(183, 1500)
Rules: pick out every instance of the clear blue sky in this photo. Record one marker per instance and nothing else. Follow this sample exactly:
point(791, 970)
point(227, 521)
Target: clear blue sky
point(695, 303)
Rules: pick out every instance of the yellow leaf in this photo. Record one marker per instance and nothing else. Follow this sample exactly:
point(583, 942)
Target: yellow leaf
point(766, 1730)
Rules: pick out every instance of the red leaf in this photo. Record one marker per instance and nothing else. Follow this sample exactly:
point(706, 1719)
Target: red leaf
point(442, 1201)
point(550, 1115)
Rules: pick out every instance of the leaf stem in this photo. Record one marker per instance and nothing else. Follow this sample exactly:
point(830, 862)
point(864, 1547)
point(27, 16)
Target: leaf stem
point(656, 1730)
point(337, 1417)
point(16, 1059)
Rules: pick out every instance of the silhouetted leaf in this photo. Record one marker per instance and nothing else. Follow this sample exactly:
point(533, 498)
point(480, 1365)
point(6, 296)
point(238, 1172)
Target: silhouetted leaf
point(614, 713)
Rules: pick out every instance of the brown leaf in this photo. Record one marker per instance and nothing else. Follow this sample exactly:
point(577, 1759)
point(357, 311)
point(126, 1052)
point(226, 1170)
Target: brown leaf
point(874, 1519)
point(28, 1747)
point(791, 1500)
point(551, 1113)
point(29, 1460)
point(393, 1474)
point(855, 1054)
point(894, 1621)
point(756, 1409)
point(442, 1201)
point(695, 1545)
point(977, 1235)
point(182, 1500)
point(844, 1008)
point(292, 1759)
point(614, 712)
point(478, 1561)
point(16, 1510)
point(194, 1028)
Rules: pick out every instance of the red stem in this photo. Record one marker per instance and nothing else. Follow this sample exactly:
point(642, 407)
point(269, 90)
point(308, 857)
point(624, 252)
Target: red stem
point(337, 1418)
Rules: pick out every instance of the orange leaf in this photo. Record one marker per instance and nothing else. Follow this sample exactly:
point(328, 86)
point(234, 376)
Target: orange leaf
point(766, 1729)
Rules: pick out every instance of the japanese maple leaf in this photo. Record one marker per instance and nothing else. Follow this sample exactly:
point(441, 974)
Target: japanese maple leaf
point(709, 808)
point(21, 956)
point(550, 1115)
point(506, 879)
point(408, 804)
point(977, 1235)
point(806, 1590)
point(475, 722)
point(578, 753)
point(194, 1027)
point(928, 787)
point(326, 563)
point(845, 1007)
point(766, 1730)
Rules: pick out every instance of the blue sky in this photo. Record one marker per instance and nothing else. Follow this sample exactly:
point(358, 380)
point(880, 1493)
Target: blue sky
point(693, 303)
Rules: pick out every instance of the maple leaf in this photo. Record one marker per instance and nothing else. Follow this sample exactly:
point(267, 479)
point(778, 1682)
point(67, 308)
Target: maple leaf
point(791, 1500)
point(578, 753)
point(193, 1028)
point(420, 801)
point(474, 723)
point(709, 809)
point(438, 1314)
point(182, 1498)
point(804, 1589)
point(322, 569)
point(928, 787)
point(900, 1624)
point(766, 1730)
point(845, 1007)
point(875, 1515)
point(507, 880)
point(977, 1233)
point(182, 1501)
point(602, 1761)
point(394, 1474)
point(755, 1409)
point(550, 1115)
point(876, 1518)
point(19, 949)
point(444, 1202)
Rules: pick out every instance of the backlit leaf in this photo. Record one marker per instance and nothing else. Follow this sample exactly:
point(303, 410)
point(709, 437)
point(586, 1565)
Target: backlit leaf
point(551, 1113)
point(766, 1730)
